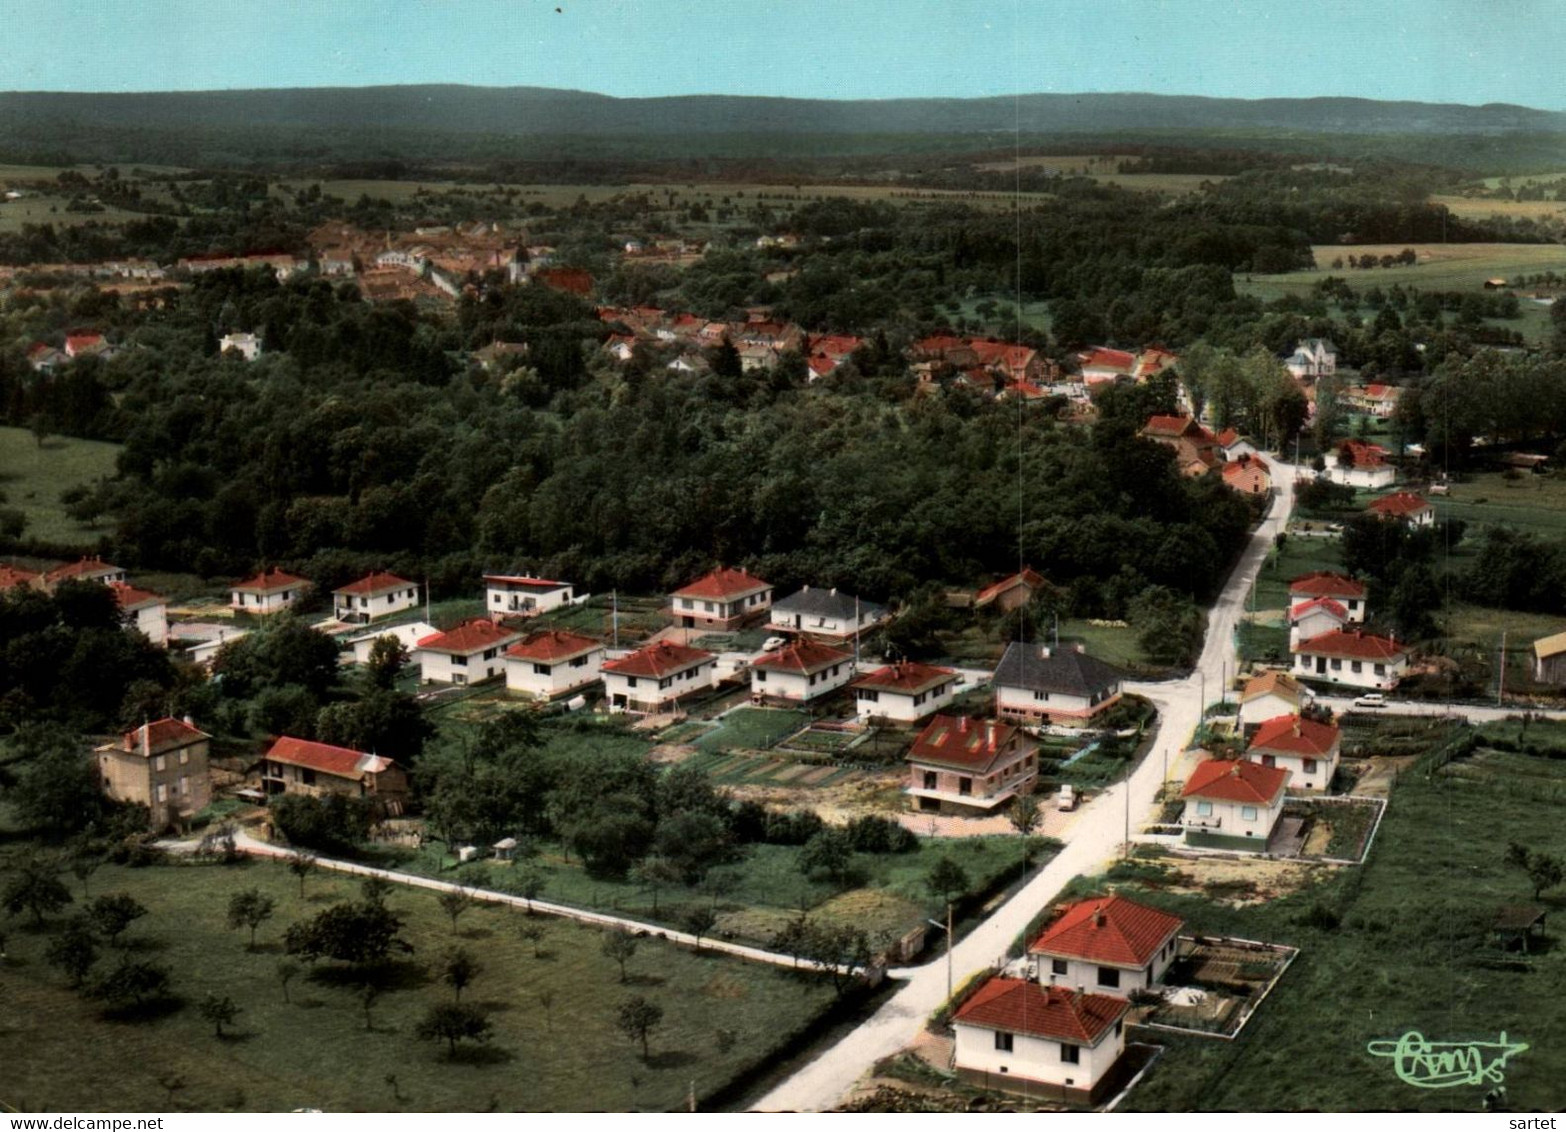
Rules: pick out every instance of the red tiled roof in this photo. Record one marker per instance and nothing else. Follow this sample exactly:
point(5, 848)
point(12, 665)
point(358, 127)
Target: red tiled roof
point(1028, 577)
point(957, 741)
point(836, 346)
point(1295, 736)
point(1172, 426)
point(1364, 455)
point(1232, 780)
point(1247, 474)
point(39, 349)
point(162, 735)
point(821, 365)
point(1274, 683)
point(376, 583)
point(1399, 505)
point(1228, 436)
point(804, 656)
point(1356, 645)
point(129, 597)
point(11, 576)
point(552, 645)
point(1104, 356)
point(908, 677)
point(658, 660)
point(1108, 929)
point(471, 636)
point(340, 762)
point(269, 580)
point(523, 581)
point(723, 584)
point(74, 342)
point(1326, 604)
point(81, 568)
point(1325, 584)
point(1022, 1006)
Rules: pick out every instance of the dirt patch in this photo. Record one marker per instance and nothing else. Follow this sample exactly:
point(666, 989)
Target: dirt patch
point(722, 987)
point(1320, 837)
point(670, 754)
point(1243, 883)
point(867, 792)
point(1376, 775)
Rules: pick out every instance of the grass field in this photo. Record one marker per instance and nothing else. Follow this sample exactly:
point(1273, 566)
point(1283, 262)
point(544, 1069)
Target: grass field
point(1531, 503)
point(316, 1051)
point(1469, 208)
point(32, 478)
point(1440, 267)
point(1414, 952)
point(750, 728)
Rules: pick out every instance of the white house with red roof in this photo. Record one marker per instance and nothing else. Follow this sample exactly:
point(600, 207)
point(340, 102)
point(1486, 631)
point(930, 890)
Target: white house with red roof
point(300, 766)
point(553, 663)
point(1100, 364)
point(1404, 507)
point(1353, 657)
point(45, 358)
point(1271, 694)
point(653, 679)
point(469, 654)
point(86, 569)
point(800, 672)
point(1376, 399)
point(1233, 446)
point(143, 610)
point(904, 692)
point(1339, 587)
point(270, 591)
point(963, 765)
point(87, 344)
point(1106, 944)
point(1233, 803)
point(725, 599)
point(1305, 748)
point(1361, 465)
point(375, 595)
point(519, 595)
point(1315, 616)
point(1049, 1041)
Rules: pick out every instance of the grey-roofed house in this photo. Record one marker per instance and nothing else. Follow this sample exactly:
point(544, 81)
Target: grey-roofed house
point(827, 614)
point(1312, 358)
point(1035, 684)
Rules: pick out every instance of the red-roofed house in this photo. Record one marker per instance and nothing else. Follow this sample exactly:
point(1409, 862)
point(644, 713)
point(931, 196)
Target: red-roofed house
point(1103, 364)
point(162, 766)
point(1404, 507)
point(1233, 803)
point(904, 692)
point(1014, 362)
point(270, 591)
point(1195, 449)
point(1312, 618)
point(468, 654)
point(1107, 942)
point(85, 344)
point(653, 679)
point(970, 766)
point(1341, 588)
point(1362, 465)
point(1357, 658)
point(1247, 475)
point(800, 672)
point(553, 663)
point(91, 569)
point(299, 766)
point(144, 610)
point(1233, 445)
point(375, 595)
point(517, 595)
point(1270, 694)
point(573, 280)
point(1046, 1041)
point(1009, 593)
point(44, 358)
point(1306, 749)
point(724, 599)
point(14, 577)
point(835, 346)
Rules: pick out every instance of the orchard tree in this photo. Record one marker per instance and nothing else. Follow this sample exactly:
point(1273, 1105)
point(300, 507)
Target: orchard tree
point(452, 1023)
point(457, 969)
point(220, 1011)
point(619, 945)
point(35, 887)
point(249, 908)
point(74, 950)
point(111, 915)
point(637, 1019)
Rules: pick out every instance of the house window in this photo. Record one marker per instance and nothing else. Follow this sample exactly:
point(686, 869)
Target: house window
point(162, 792)
point(460, 661)
point(664, 683)
point(184, 785)
point(761, 676)
point(1118, 1025)
point(1070, 1054)
point(1310, 766)
point(1337, 665)
point(1247, 813)
point(541, 669)
point(159, 762)
point(1003, 1042)
point(1381, 670)
point(1041, 696)
point(867, 695)
point(1109, 976)
point(1058, 966)
point(1204, 809)
point(579, 662)
point(919, 699)
point(184, 757)
point(1269, 760)
point(498, 599)
point(965, 786)
point(1356, 666)
point(630, 681)
point(930, 780)
point(307, 776)
point(458, 678)
point(812, 679)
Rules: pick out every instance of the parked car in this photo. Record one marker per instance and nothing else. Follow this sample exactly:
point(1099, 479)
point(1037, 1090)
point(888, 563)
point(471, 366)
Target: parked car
point(1370, 699)
point(772, 644)
point(1066, 798)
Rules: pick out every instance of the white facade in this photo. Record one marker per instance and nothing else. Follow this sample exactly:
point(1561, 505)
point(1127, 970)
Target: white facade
point(1313, 622)
point(1232, 819)
point(1306, 775)
point(153, 620)
point(903, 707)
point(1370, 478)
point(780, 684)
point(1027, 704)
point(271, 601)
point(1103, 978)
point(1270, 706)
point(408, 636)
point(248, 345)
point(1371, 674)
point(979, 1051)
point(521, 596)
point(368, 607)
point(653, 693)
point(547, 679)
point(824, 622)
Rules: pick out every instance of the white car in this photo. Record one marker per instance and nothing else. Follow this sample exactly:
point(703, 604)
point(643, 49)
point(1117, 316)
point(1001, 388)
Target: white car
point(772, 644)
point(1370, 699)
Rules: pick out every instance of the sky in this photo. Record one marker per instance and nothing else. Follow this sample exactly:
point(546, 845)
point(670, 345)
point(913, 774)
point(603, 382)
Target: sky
point(1467, 51)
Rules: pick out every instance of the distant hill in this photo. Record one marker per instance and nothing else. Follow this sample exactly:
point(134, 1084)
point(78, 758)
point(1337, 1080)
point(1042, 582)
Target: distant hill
point(401, 121)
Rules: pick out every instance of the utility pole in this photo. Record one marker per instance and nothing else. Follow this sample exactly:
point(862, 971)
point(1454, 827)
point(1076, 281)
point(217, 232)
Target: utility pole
point(948, 949)
point(1500, 687)
point(1126, 851)
point(614, 615)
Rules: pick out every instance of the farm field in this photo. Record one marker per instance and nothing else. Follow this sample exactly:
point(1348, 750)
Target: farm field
point(1531, 503)
point(32, 478)
point(317, 1052)
point(1412, 950)
point(1470, 208)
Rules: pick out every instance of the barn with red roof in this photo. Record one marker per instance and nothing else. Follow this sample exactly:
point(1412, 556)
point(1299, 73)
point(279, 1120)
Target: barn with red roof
point(1108, 944)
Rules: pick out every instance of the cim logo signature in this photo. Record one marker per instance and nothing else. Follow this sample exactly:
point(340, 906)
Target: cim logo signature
point(1444, 1065)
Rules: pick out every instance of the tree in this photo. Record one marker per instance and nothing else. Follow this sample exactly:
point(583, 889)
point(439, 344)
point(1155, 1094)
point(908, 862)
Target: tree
point(638, 1018)
point(84, 863)
point(388, 657)
point(357, 934)
point(546, 999)
point(112, 914)
point(375, 890)
point(454, 902)
point(529, 883)
point(452, 1022)
point(1025, 817)
point(534, 934)
point(35, 887)
point(1544, 871)
point(369, 995)
point(132, 984)
point(56, 790)
point(619, 945)
point(249, 909)
point(839, 950)
point(655, 873)
point(947, 880)
point(74, 950)
point(333, 823)
point(699, 921)
point(287, 969)
point(301, 864)
point(220, 1011)
point(458, 969)
point(828, 854)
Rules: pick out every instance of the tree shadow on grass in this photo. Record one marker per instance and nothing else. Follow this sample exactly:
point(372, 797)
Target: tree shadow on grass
point(140, 1013)
point(645, 980)
point(237, 1037)
point(480, 1055)
point(495, 1006)
point(144, 944)
point(392, 975)
point(671, 1059)
point(476, 933)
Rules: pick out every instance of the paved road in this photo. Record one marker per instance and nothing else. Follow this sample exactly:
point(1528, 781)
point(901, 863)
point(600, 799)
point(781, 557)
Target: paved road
point(1098, 836)
point(1481, 712)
